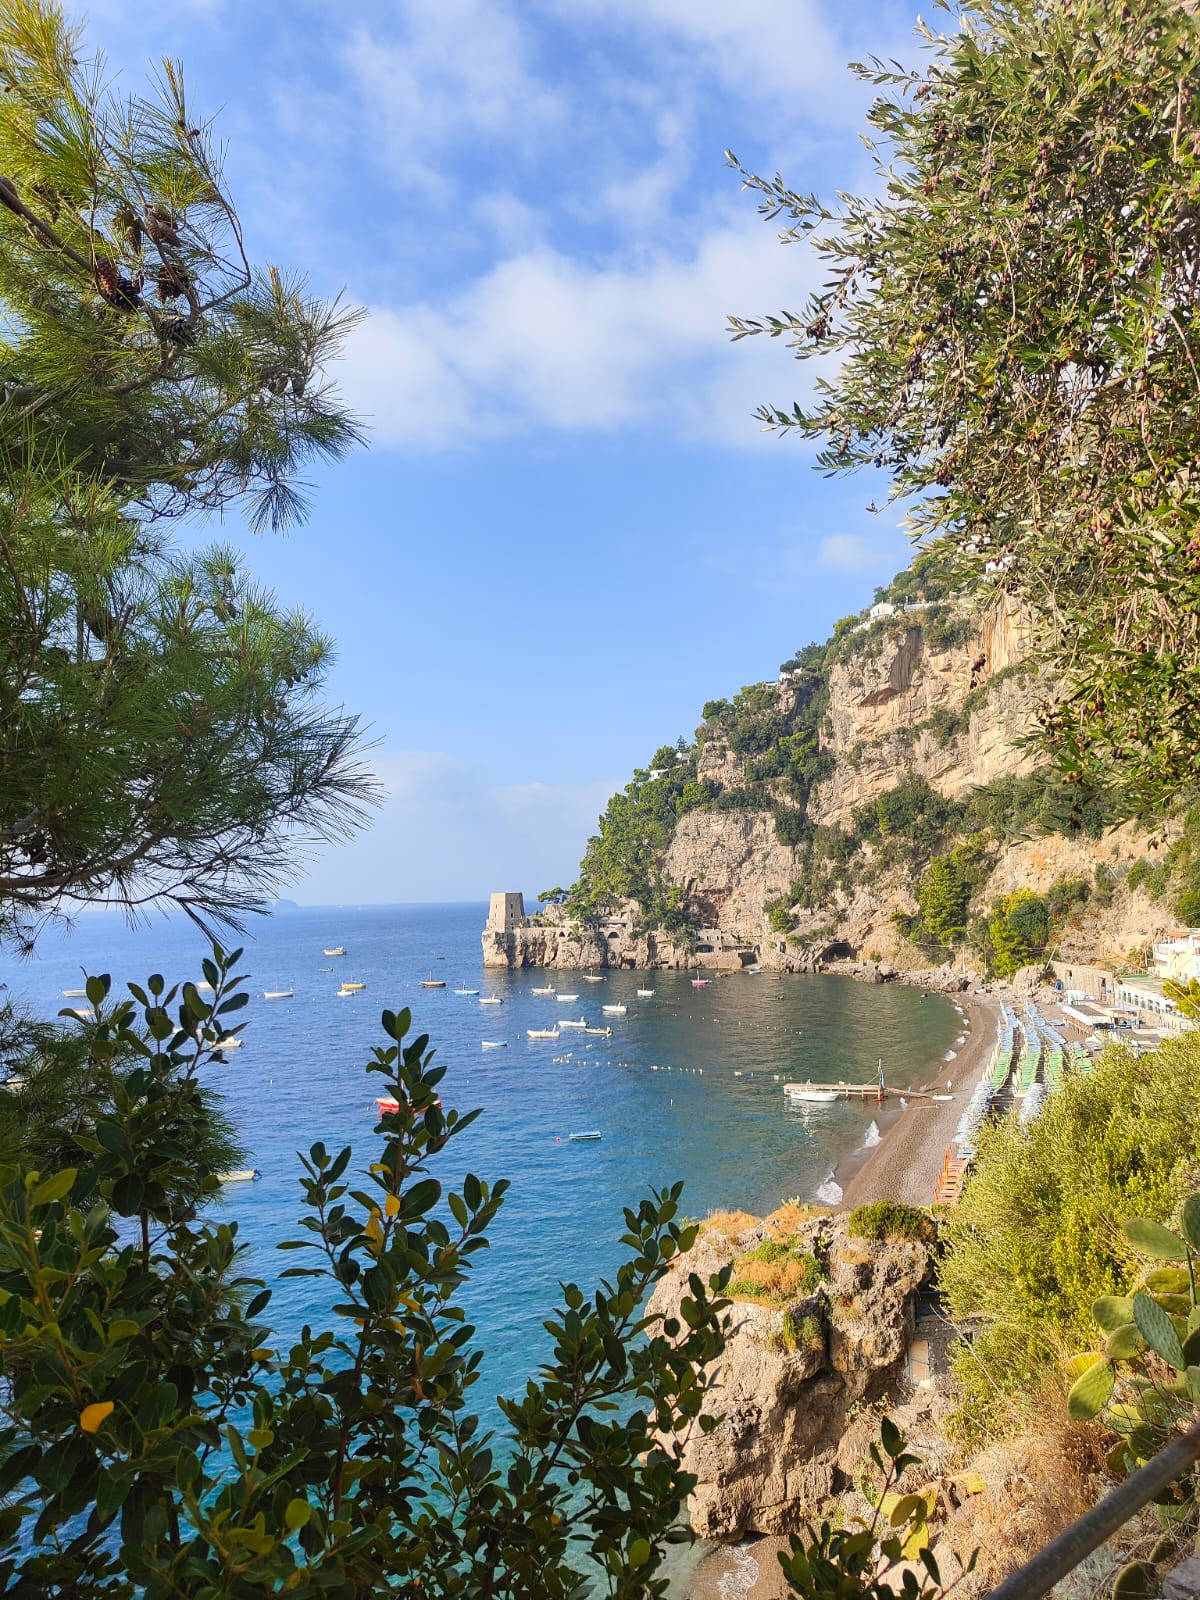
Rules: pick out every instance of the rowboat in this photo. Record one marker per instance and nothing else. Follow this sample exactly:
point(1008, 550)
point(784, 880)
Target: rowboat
point(645, 994)
point(494, 1044)
point(239, 1175)
point(580, 1024)
point(589, 977)
point(466, 991)
point(594, 1134)
point(433, 983)
point(278, 994)
point(614, 1011)
point(491, 1000)
point(541, 1033)
point(548, 989)
point(352, 986)
point(338, 950)
point(701, 983)
point(600, 1033)
point(565, 999)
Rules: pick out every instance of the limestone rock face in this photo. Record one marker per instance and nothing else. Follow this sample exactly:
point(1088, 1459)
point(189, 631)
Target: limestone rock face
point(774, 1456)
point(953, 714)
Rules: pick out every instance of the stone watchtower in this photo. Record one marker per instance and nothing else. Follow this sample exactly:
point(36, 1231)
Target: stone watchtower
point(506, 912)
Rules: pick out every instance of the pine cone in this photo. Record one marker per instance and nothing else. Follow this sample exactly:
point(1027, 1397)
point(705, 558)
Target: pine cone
point(160, 225)
point(127, 223)
point(117, 290)
point(176, 330)
point(172, 281)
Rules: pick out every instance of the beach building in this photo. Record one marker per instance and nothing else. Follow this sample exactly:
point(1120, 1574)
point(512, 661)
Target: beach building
point(1177, 955)
point(1142, 995)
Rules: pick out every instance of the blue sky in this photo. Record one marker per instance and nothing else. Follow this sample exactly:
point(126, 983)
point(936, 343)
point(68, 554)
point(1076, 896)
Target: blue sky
point(567, 532)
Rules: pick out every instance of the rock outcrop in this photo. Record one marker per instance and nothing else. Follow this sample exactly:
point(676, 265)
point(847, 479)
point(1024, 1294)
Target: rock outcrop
point(792, 1376)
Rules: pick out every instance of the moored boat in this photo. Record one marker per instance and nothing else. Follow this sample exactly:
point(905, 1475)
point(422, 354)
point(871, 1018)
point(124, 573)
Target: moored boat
point(614, 1011)
point(701, 983)
point(466, 991)
point(352, 986)
point(593, 1133)
point(600, 1033)
point(593, 977)
point(494, 1044)
point(541, 1033)
point(278, 994)
point(544, 989)
point(645, 994)
point(338, 950)
point(239, 1175)
point(433, 983)
point(229, 1042)
point(582, 1023)
point(74, 994)
point(491, 1000)
point(806, 1092)
point(565, 999)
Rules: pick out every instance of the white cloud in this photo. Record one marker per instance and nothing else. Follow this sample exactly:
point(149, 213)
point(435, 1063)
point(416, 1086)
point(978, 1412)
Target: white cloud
point(545, 340)
point(851, 552)
point(447, 831)
point(454, 71)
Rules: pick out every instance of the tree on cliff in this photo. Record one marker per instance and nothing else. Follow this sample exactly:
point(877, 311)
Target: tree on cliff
point(1008, 328)
point(160, 728)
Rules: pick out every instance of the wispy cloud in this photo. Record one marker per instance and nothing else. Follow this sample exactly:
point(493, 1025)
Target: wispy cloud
point(448, 831)
point(853, 552)
point(545, 340)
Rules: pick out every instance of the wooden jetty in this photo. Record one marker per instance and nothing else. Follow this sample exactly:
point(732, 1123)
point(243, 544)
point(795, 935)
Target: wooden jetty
point(857, 1091)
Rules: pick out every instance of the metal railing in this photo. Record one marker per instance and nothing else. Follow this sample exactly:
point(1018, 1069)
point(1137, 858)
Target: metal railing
point(1064, 1554)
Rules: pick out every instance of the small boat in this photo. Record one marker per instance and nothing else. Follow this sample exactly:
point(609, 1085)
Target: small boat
point(491, 999)
point(549, 989)
point(645, 994)
point(589, 977)
point(593, 1134)
point(204, 988)
point(701, 983)
point(600, 1033)
point(565, 999)
point(338, 950)
point(387, 1104)
point(84, 1013)
point(614, 1011)
point(74, 994)
point(582, 1023)
point(229, 1042)
point(494, 1044)
point(239, 1175)
point(466, 991)
point(806, 1092)
point(278, 994)
point(431, 982)
point(541, 1033)
point(352, 986)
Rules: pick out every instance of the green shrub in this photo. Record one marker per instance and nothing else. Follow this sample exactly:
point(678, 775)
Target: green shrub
point(775, 1273)
point(1034, 1239)
point(889, 1219)
point(1187, 907)
point(1138, 873)
point(800, 1335)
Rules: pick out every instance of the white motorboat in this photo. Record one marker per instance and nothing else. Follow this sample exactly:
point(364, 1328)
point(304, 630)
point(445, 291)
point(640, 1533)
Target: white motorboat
point(614, 1011)
point(546, 989)
point(590, 977)
point(204, 988)
point(541, 1033)
point(591, 1134)
point(239, 1175)
point(582, 1023)
point(338, 950)
point(811, 1096)
point(600, 1033)
point(278, 994)
point(645, 994)
point(74, 994)
point(229, 1042)
point(494, 1044)
point(491, 999)
point(565, 999)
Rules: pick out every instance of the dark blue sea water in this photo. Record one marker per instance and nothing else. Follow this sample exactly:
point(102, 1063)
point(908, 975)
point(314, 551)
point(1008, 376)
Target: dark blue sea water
point(689, 1086)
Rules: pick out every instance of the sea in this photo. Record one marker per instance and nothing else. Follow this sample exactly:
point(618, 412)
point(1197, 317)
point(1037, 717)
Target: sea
point(689, 1086)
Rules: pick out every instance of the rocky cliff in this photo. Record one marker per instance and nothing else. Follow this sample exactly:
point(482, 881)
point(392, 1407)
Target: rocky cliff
point(795, 1371)
point(795, 829)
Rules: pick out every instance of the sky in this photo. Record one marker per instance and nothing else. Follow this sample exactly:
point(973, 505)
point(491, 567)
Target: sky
point(567, 530)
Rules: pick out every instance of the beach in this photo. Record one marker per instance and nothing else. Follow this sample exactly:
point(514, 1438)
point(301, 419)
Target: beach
point(903, 1166)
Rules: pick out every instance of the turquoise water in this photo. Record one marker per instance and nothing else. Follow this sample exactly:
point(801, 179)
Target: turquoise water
point(689, 1086)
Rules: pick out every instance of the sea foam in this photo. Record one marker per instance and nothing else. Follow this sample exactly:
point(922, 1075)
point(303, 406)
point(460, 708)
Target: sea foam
point(873, 1136)
point(830, 1192)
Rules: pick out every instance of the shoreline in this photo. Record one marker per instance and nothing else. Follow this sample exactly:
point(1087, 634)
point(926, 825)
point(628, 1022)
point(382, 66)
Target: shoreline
point(904, 1166)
